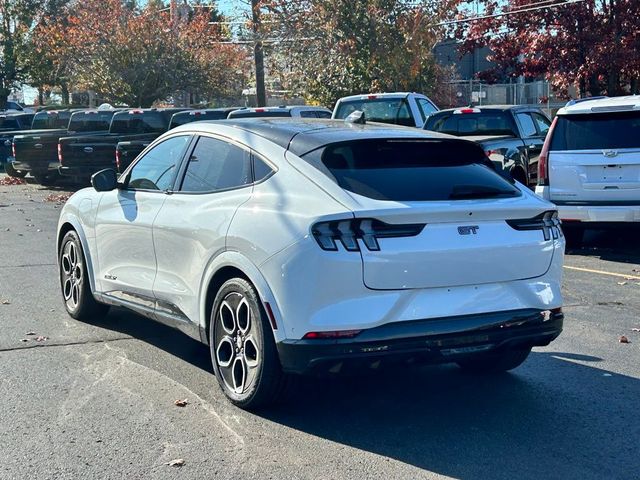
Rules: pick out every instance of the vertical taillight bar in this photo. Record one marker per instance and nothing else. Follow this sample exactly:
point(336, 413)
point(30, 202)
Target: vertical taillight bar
point(543, 159)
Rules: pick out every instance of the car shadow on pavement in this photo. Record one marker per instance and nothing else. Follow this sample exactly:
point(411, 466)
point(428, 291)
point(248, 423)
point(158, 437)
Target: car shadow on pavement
point(617, 245)
point(551, 418)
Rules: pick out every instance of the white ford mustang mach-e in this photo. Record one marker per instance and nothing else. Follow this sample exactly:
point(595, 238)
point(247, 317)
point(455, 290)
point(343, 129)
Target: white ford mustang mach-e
point(299, 246)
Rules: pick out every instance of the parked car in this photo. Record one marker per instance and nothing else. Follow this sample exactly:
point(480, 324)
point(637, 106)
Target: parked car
point(399, 108)
point(82, 156)
point(42, 122)
point(15, 107)
point(307, 246)
point(38, 154)
point(296, 111)
point(128, 150)
point(590, 165)
point(511, 135)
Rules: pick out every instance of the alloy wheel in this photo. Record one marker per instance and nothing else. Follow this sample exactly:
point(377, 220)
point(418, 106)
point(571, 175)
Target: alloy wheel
point(71, 267)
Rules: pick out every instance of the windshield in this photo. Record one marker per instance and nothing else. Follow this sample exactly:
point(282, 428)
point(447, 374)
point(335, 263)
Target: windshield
point(483, 123)
point(132, 123)
point(90, 121)
point(386, 110)
point(411, 170)
point(597, 131)
point(50, 120)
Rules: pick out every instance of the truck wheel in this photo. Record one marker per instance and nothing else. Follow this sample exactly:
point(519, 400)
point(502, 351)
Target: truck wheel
point(74, 281)
point(496, 362)
point(243, 350)
point(12, 172)
point(47, 179)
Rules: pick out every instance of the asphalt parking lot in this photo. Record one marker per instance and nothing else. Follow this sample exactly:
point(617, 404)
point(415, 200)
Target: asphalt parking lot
point(97, 400)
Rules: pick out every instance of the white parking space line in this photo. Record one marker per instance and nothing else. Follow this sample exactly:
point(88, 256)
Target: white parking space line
point(601, 272)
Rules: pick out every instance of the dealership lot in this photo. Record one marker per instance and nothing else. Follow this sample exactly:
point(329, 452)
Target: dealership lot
point(97, 400)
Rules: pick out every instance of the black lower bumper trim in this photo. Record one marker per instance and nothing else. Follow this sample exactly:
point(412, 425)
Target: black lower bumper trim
point(431, 341)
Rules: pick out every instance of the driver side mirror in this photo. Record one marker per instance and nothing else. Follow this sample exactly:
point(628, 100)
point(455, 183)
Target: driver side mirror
point(105, 180)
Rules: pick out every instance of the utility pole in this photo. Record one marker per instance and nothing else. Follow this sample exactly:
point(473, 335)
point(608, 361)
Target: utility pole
point(258, 53)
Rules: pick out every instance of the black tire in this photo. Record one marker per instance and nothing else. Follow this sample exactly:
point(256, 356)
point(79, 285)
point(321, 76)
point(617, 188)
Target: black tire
point(12, 172)
point(243, 350)
point(573, 236)
point(47, 179)
point(502, 361)
point(74, 281)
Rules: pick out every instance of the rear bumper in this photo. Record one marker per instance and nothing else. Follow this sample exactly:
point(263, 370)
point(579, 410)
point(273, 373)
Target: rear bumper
point(36, 167)
point(432, 341)
point(83, 170)
point(601, 214)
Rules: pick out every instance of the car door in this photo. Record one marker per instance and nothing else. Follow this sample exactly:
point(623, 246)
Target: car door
point(124, 219)
point(192, 224)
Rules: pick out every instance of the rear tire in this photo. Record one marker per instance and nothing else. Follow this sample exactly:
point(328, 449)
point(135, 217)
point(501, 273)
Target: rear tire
point(573, 236)
point(496, 362)
point(74, 281)
point(243, 350)
point(47, 179)
point(12, 172)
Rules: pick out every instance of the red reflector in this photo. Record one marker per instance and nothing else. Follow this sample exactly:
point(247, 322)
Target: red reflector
point(60, 153)
point(372, 97)
point(488, 153)
point(272, 318)
point(259, 110)
point(467, 110)
point(332, 334)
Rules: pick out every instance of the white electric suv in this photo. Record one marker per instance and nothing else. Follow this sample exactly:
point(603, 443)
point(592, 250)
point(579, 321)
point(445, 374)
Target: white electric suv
point(298, 246)
point(590, 164)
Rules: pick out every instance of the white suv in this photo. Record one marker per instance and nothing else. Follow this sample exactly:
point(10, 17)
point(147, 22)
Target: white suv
point(590, 164)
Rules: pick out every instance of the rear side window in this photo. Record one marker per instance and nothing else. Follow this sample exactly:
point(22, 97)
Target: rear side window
point(411, 170)
point(395, 111)
point(484, 123)
point(9, 123)
point(323, 114)
point(216, 165)
point(90, 122)
point(426, 108)
point(148, 122)
point(597, 131)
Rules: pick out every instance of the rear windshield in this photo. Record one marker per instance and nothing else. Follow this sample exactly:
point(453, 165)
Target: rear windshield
point(411, 170)
point(597, 131)
point(484, 123)
point(251, 114)
point(132, 123)
point(9, 123)
point(184, 118)
point(47, 120)
point(90, 121)
point(395, 111)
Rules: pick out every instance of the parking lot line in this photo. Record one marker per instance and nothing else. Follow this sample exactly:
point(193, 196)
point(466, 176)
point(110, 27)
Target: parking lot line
point(601, 272)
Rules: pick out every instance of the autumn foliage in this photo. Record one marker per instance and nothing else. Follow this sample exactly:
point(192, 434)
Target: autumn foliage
point(138, 57)
point(593, 45)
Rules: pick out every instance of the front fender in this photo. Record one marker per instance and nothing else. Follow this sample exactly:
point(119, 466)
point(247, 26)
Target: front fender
point(73, 220)
point(239, 261)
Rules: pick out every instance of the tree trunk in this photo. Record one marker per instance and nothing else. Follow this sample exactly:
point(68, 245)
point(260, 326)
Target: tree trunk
point(65, 93)
point(582, 87)
point(40, 96)
point(4, 93)
point(633, 84)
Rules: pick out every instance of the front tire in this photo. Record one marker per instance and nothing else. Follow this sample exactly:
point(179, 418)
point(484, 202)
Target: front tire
point(12, 172)
point(74, 281)
point(496, 362)
point(243, 351)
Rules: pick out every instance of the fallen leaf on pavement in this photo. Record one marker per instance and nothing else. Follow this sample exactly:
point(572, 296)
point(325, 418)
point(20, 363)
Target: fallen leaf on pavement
point(624, 339)
point(622, 283)
point(178, 462)
point(6, 302)
point(24, 339)
point(41, 338)
point(635, 329)
point(181, 403)
point(30, 333)
point(12, 181)
point(53, 198)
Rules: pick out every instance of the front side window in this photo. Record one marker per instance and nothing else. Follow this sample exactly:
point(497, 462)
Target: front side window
point(216, 165)
point(426, 108)
point(157, 169)
point(528, 127)
point(542, 123)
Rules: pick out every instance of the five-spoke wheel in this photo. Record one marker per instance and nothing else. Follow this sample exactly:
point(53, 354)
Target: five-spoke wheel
point(243, 349)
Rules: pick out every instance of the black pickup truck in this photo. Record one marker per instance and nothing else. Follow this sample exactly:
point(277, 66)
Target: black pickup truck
point(12, 124)
point(38, 154)
point(128, 150)
point(82, 156)
point(512, 136)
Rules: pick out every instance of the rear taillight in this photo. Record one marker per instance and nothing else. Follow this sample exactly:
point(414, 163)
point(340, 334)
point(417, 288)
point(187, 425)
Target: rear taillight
point(332, 334)
point(13, 149)
point(118, 160)
point(543, 159)
point(60, 153)
point(368, 230)
point(548, 222)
